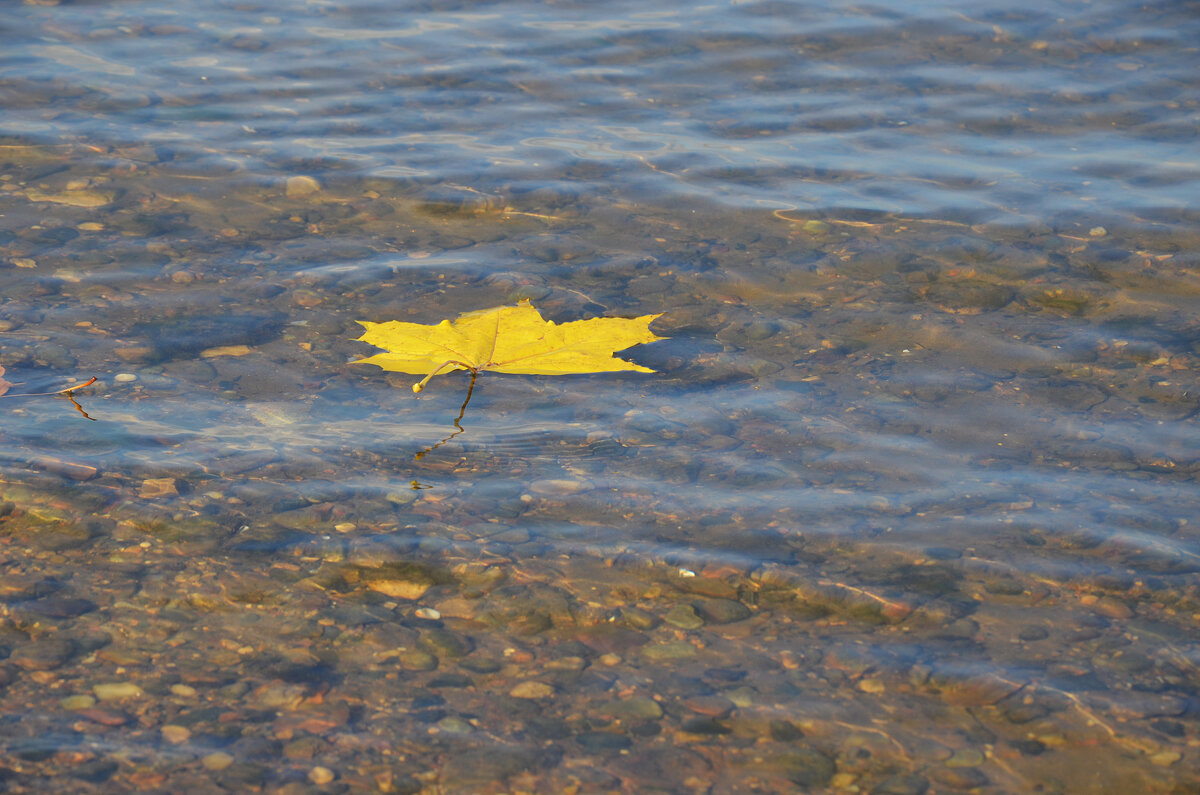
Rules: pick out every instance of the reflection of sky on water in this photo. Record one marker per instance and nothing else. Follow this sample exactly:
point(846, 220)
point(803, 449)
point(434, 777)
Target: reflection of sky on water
point(1012, 113)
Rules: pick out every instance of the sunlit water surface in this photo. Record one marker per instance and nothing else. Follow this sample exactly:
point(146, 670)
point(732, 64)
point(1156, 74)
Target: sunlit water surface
point(909, 506)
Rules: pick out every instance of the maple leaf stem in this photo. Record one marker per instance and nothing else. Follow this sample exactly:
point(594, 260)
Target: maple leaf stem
point(419, 386)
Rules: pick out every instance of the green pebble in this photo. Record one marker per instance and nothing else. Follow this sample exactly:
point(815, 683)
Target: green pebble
point(631, 709)
point(684, 617)
point(446, 644)
point(966, 757)
point(117, 691)
point(741, 696)
point(77, 702)
point(417, 661)
point(455, 725)
point(667, 652)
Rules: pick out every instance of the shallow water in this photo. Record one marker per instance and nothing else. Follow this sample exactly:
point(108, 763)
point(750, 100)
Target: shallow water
point(908, 507)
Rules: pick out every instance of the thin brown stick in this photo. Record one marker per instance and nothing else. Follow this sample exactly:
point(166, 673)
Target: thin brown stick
point(66, 391)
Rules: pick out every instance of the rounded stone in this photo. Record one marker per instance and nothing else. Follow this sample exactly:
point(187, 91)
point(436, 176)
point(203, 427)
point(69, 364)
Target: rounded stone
point(721, 611)
point(453, 724)
point(638, 708)
point(684, 617)
point(710, 706)
point(599, 741)
point(414, 660)
point(966, 757)
point(959, 777)
point(300, 186)
point(703, 726)
point(903, 784)
point(42, 655)
point(217, 761)
point(1166, 758)
point(176, 734)
point(117, 691)
point(1033, 633)
point(668, 652)
point(320, 775)
point(532, 690)
point(78, 702)
point(446, 644)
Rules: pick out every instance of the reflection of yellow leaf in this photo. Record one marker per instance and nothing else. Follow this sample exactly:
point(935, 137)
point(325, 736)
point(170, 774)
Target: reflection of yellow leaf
point(507, 339)
point(4, 385)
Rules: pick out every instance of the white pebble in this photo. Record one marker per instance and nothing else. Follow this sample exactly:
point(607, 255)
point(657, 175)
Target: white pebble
point(428, 612)
point(122, 378)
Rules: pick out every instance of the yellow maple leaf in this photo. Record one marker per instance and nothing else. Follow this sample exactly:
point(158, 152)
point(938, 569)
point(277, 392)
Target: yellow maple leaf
point(507, 339)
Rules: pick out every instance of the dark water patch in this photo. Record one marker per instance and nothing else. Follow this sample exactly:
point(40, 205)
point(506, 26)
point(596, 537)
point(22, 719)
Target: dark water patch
point(175, 337)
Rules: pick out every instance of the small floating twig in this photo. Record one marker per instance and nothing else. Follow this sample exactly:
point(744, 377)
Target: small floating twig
point(68, 393)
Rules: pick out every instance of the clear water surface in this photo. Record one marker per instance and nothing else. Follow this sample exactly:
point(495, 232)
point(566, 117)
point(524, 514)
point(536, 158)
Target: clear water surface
point(909, 506)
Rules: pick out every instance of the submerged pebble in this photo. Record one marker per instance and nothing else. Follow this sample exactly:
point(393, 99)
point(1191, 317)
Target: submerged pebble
point(532, 690)
point(117, 691)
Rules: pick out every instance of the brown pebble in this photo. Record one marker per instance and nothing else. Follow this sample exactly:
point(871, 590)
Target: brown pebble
point(710, 706)
point(979, 691)
point(105, 717)
point(400, 589)
point(134, 353)
point(307, 298)
point(158, 487)
point(41, 655)
point(226, 350)
point(301, 186)
point(217, 761)
point(176, 734)
point(72, 469)
point(532, 690)
point(1112, 608)
point(958, 777)
point(553, 487)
